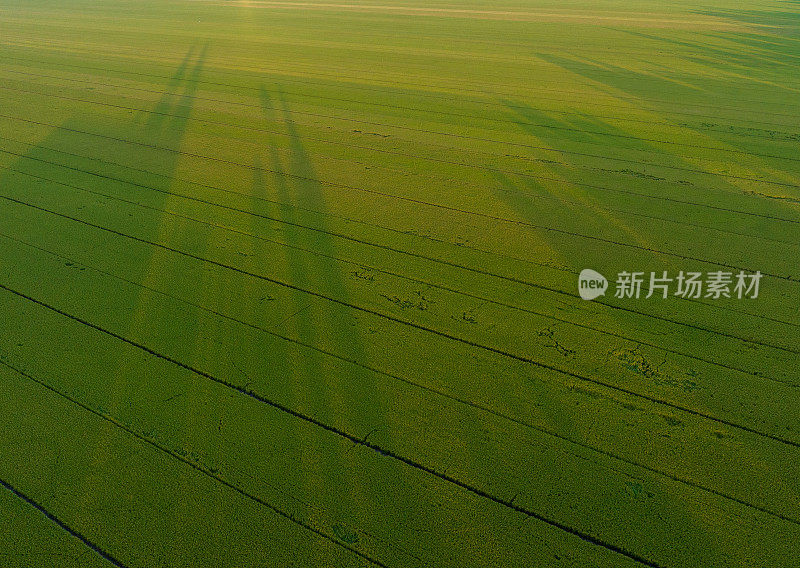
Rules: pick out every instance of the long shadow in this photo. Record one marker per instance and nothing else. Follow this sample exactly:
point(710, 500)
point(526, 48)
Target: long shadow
point(562, 418)
point(150, 316)
point(756, 53)
point(788, 21)
point(759, 56)
point(345, 394)
point(684, 238)
point(679, 180)
point(68, 155)
point(161, 270)
point(785, 51)
point(588, 202)
point(633, 82)
point(744, 138)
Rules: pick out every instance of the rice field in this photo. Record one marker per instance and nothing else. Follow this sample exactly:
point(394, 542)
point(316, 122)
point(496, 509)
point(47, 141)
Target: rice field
point(296, 283)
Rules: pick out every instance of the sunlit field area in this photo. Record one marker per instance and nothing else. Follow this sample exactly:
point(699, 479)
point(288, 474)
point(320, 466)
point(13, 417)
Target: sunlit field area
point(296, 284)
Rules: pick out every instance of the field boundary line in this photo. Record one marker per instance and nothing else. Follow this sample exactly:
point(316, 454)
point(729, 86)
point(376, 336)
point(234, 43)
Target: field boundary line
point(61, 524)
point(420, 327)
point(457, 149)
point(499, 121)
point(460, 87)
point(483, 102)
point(411, 199)
point(194, 465)
point(359, 441)
point(438, 392)
point(600, 188)
point(395, 274)
point(413, 254)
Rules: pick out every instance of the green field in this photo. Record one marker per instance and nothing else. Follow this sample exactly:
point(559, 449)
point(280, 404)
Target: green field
point(295, 284)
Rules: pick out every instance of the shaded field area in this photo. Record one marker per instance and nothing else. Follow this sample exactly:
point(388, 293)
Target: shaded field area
point(296, 284)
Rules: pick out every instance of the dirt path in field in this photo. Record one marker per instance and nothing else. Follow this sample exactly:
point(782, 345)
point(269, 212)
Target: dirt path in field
point(629, 18)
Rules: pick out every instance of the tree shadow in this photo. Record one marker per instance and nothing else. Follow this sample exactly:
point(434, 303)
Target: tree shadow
point(760, 153)
point(349, 396)
point(69, 162)
point(783, 22)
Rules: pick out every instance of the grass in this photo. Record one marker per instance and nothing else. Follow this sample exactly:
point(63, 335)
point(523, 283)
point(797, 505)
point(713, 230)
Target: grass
point(294, 284)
